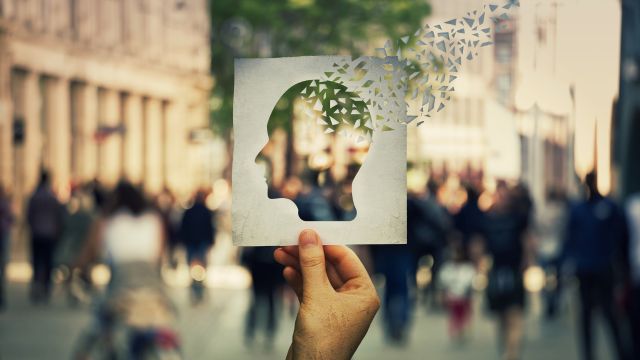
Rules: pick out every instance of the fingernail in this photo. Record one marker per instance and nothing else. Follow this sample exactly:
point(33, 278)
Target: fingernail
point(308, 239)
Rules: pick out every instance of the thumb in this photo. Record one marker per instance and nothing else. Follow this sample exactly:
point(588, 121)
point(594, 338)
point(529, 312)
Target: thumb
point(312, 263)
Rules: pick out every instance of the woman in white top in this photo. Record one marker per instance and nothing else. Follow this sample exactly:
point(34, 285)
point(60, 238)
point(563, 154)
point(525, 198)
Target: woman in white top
point(129, 236)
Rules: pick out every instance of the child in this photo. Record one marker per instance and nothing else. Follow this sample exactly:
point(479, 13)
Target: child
point(456, 278)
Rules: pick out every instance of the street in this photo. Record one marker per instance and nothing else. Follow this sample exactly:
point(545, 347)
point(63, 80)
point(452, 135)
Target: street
point(215, 330)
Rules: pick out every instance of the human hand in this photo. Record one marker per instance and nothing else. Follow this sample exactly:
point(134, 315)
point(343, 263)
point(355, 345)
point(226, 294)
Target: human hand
point(337, 298)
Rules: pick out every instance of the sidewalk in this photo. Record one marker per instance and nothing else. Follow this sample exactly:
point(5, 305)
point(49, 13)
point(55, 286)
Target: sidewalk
point(215, 330)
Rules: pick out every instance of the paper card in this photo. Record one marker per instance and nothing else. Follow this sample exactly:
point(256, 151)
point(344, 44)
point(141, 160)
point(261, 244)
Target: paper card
point(261, 218)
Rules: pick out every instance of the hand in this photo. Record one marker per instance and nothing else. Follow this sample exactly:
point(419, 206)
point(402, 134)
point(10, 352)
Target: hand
point(337, 298)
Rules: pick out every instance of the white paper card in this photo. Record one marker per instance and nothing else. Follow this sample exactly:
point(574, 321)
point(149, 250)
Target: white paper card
point(379, 188)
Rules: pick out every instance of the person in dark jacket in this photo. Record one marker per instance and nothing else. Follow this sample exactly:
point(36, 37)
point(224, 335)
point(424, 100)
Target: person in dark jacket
point(312, 202)
point(265, 284)
point(505, 233)
point(596, 231)
point(45, 217)
point(77, 228)
point(428, 227)
point(197, 232)
point(633, 255)
point(166, 205)
point(469, 221)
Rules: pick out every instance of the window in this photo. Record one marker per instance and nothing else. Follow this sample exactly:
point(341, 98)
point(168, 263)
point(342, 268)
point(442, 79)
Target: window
point(503, 54)
point(503, 85)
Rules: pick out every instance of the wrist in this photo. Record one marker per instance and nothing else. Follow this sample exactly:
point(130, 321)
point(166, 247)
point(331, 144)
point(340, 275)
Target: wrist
point(311, 350)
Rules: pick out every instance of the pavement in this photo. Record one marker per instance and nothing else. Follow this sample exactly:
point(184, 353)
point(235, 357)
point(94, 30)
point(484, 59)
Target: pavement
point(214, 330)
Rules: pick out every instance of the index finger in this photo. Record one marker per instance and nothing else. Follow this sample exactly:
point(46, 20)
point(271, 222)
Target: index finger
point(346, 262)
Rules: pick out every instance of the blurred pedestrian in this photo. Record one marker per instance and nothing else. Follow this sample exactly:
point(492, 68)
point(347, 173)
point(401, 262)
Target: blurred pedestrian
point(312, 203)
point(99, 194)
point(129, 236)
point(633, 217)
point(6, 221)
point(428, 226)
point(469, 221)
point(456, 280)
point(45, 217)
point(556, 213)
point(198, 235)
point(77, 226)
point(394, 262)
point(171, 217)
point(595, 233)
point(505, 233)
point(265, 284)
point(342, 195)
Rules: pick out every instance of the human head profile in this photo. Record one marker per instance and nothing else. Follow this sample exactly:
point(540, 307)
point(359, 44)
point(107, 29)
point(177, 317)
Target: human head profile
point(324, 131)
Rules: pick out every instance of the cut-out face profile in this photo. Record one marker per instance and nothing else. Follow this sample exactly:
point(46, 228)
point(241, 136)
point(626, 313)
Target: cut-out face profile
point(319, 135)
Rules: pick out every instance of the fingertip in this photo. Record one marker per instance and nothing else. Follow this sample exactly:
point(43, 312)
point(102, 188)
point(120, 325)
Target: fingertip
point(277, 255)
point(308, 239)
point(290, 271)
point(292, 276)
point(347, 263)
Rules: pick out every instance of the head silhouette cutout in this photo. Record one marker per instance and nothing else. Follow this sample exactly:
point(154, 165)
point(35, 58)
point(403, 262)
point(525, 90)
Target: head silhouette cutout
point(319, 136)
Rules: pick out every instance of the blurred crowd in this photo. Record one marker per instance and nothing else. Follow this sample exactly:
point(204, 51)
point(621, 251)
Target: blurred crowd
point(465, 241)
point(134, 235)
point(470, 239)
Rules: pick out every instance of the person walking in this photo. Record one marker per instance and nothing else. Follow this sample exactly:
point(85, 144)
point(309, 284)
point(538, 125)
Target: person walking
point(130, 237)
point(77, 225)
point(198, 234)
point(45, 218)
point(428, 227)
point(165, 202)
point(265, 284)
point(456, 280)
point(469, 220)
point(633, 218)
point(505, 233)
point(595, 233)
point(394, 263)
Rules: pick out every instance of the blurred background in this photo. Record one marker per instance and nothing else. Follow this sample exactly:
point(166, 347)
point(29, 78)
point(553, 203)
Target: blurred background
point(115, 139)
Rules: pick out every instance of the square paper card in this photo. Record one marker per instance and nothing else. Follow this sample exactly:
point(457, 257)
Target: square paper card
point(316, 145)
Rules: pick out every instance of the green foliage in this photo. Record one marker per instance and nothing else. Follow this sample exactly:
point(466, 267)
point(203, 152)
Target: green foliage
point(330, 104)
point(278, 28)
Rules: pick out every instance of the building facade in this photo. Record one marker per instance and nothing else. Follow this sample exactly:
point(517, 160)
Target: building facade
point(469, 137)
point(538, 83)
point(104, 89)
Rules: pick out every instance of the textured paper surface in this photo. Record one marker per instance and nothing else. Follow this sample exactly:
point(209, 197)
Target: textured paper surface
point(379, 189)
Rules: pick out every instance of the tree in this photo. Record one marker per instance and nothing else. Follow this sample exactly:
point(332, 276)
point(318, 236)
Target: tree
point(278, 28)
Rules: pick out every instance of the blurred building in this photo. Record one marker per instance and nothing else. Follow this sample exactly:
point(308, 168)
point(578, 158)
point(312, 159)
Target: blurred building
point(454, 139)
point(104, 89)
point(475, 136)
point(543, 102)
point(530, 107)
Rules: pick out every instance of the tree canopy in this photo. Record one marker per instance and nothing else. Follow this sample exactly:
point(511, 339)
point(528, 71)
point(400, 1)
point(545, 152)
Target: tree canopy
point(278, 28)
